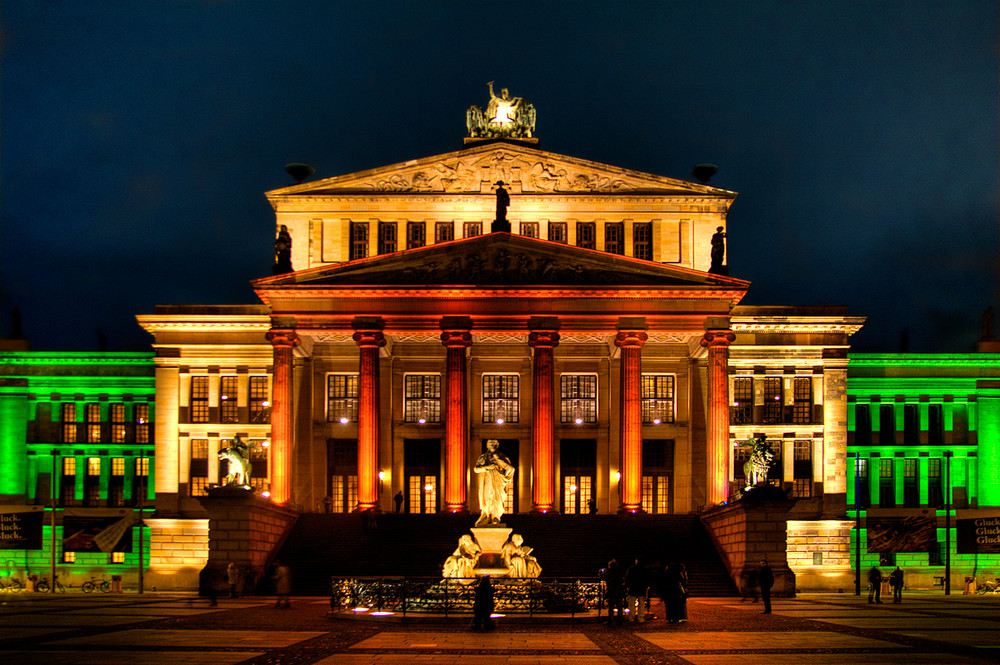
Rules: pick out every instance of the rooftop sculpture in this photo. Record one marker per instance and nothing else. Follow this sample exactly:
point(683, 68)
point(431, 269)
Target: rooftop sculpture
point(505, 117)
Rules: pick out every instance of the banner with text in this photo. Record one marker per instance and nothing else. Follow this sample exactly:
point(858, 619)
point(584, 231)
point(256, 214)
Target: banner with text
point(978, 536)
point(21, 527)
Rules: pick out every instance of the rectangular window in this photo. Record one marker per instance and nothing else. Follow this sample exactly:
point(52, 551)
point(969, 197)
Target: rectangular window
point(198, 482)
point(359, 241)
point(472, 229)
point(229, 404)
point(118, 557)
point(387, 240)
point(614, 237)
point(911, 486)
point(444, 231)
point(655, 494)
point(586, 235)
point(260, 400)
point(558, 232)
point(773, 402)
point(68, 482)
point(529, 229)
point(657, 398)
point(342, 398)
point(117, 466)
point(886, 425)
point(416, 234)
point(742, 410)
point(886, 483)
point(570, 491)
point(802, 464)
point(500, 398)
point(92, 482)
point(935, 497)
point(199, 399)
point(802, 405)
point(69, 557)
point(935, 424)
point(642, 240)
point(422, 398)
point(260, 478)
point(93, 418)
point(578, 398)
point(68, 418)
point(862, 486)
point(862, 424)
point(140, 414)
point(116, 483)
point(344, 495)
point(911, 424)
point(117, 423)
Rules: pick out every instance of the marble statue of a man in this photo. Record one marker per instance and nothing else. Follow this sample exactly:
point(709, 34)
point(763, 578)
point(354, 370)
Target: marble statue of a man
point(495, 476)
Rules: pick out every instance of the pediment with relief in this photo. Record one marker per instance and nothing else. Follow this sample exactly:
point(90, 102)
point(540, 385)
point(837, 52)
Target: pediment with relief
point(501, 259)
point(526, 169)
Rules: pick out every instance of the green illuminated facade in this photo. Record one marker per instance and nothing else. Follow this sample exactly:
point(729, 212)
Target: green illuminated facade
point(76, 434)
point(924, 442)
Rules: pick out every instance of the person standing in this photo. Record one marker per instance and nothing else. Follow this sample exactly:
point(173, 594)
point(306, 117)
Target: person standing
point(875, 585)
point(233, 576)
point(282, 584)
point(896, 582)
point(636, 586)
point(398, 500)
point(482, 606)
point(614, 584)
point(766, 578)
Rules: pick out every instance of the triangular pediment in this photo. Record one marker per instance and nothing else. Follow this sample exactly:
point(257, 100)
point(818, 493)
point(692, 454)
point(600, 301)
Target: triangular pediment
point(502, 260)
point(474, 169)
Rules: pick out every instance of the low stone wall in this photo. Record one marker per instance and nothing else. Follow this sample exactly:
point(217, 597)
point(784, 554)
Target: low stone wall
point(745, 532)
point(178, 551)
point(819, 553)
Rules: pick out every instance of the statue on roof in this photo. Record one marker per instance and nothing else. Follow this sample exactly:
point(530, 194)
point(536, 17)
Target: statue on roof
point(505, 117)
point(283, 251)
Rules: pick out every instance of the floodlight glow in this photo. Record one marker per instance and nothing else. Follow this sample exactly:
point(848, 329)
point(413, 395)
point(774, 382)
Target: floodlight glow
point(343, 420)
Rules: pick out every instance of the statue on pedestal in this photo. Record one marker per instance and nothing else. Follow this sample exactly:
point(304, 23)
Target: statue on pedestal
point(237, 454)
point(495, 476)
point(755, 469)
point(504, 117)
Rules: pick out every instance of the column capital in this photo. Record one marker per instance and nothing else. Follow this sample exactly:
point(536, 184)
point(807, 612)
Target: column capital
point(283, 337)
point(456, 339)
point(718, 338)
point(543, 339)
point(633, 339)
point(369, 338)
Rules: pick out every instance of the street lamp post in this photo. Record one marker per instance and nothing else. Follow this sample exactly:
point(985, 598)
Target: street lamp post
point(143, 471)
point(857, 524)
point(947, 522)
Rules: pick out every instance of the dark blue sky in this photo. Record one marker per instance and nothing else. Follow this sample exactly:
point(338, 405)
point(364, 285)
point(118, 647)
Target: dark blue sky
point(138, 138)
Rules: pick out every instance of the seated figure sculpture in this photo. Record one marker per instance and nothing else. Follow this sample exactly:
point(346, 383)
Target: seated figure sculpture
point(517, 557)
point(462, 562)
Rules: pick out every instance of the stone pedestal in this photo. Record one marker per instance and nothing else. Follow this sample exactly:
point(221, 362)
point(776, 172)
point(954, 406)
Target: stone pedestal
point(491, 540)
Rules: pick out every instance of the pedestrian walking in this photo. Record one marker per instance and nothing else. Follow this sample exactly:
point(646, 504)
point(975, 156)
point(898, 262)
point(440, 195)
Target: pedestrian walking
point(398, 500)
point(614, 589)
point(875, 585)
point(233, 576)
point(766, 577)
point(636, 586)
point(282, 584)
point(482, 606)
point(896, 582)
point(672, 587)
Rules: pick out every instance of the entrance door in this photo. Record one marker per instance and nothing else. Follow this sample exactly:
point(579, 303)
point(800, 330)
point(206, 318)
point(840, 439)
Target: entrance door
point(578, 467)
point(421, 468)
point(342, 476)
point(657, 471)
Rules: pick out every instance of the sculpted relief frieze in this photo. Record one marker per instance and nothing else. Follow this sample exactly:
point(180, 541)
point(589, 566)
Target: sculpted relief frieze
point(534, 175)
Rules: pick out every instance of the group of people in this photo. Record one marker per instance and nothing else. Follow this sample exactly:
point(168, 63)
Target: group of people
point(875, 585)
point(628, 591)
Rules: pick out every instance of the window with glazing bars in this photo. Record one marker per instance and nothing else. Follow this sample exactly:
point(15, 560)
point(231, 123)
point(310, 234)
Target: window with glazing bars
point(359, 241)
point(67, 492)
point(500, 398)
point(260, 478)
point(67, 416)
point(416, 234)
point(387, 240)
point(886, 483)
point(198, 477)
point(614, 237)
point(911, 486)
point(229, 404)
point(472, 229)
point(863, 496)
point(578, 398)
point(260, 405)
point(935, 497)
point(773, 405)
point(140, 414)
point(92, 482)
point(657, 398)
point(586, 235)
point(558, 232)
point(802, 475)
point(529, 229)
point(199, 399)
point(444, 231)
point(422, 398)
point(741, 412)
point(93, 417)
point(802, 404)
point(642, 240)
point(342, 398)
point(117, 411)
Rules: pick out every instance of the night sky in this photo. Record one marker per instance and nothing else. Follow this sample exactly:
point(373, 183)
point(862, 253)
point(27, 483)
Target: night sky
point(138, 139)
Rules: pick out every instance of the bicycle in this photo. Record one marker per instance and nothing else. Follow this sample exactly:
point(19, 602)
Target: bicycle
point(989, 587)
point(43, 585)
point(11, 585)
point(94, 584)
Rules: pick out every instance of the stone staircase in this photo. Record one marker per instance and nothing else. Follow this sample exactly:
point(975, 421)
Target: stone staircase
point(567, 546)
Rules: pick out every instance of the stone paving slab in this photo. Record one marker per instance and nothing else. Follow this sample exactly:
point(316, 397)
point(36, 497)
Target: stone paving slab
point(464, 659)
point(565, 641)
point(268, 639)
point(763, 641)
point(838, 659)
point(68, 620)
point(126, 657)
point(142, 610)
point(988, 641)
point(19, 633)
point(917, 622)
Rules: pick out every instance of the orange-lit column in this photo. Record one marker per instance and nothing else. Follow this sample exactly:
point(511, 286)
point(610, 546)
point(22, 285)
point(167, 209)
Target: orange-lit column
point(543, 421)
point(282, 342)
point(718, 342)
point(456, 420)
point(369, 342)
point(630, 342)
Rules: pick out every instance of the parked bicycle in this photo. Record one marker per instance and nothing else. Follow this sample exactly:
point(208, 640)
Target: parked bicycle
point(10, 585)
point(43, 585)
point(94, 584)
point(989, 586)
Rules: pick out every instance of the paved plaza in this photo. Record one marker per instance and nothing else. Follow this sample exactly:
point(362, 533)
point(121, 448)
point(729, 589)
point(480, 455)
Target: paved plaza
point(813, 629)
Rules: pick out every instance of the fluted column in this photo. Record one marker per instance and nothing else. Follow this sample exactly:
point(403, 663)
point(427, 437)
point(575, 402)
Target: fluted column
point(456, 420)
point(369, 342)
point(543, 421)
point(717, 342)
point(282, 340)
point(631, 342)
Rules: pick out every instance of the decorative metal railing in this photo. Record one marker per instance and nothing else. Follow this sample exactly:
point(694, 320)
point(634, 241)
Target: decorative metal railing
point(400, 595)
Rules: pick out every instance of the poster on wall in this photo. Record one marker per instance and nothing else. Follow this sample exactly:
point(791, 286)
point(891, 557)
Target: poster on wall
point(21, 527)
point(889, 535)
point(978, 536)
point(98, 530)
